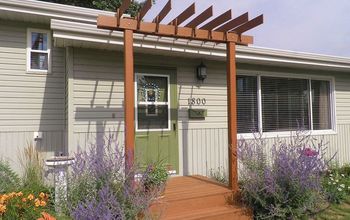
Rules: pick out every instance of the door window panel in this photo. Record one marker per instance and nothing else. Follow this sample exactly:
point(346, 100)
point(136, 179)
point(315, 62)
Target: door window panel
point(152, 102)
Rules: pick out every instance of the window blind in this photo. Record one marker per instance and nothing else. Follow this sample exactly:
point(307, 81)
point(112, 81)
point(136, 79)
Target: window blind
point(284, 104)
point(247, 108)
point(321, 113)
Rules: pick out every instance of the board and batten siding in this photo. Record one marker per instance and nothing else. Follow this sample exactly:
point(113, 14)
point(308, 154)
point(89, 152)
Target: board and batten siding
point(98, 97)
point(28, 102)
point(98, 106)
point(205, 143)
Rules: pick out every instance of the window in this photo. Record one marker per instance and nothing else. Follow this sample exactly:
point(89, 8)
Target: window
point(284, 104)
point(277, 104)
point(321, 113)
point(153, 102)
point(247, 106)
point(38, 51)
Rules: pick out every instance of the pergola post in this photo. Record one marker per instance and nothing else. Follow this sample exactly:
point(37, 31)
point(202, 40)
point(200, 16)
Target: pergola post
point(129, 98)
point(222, 29)
point(232, 114)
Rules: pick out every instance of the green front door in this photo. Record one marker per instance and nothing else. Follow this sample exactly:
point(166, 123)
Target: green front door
point(156, 117)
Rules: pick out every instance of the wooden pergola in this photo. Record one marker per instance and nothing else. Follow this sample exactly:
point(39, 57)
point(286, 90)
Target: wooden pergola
point(222, 29)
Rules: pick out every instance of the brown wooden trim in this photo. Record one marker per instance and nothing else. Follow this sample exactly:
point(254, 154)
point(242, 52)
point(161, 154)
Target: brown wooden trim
point(249, 25)
point(123, 7)
point(232, 115)
point(111, 23)
point(129, 98)
point(233, 23)
point(145, 8)
point(166, 9)
point(184, 15)
point(218, 21)
point(205, 15)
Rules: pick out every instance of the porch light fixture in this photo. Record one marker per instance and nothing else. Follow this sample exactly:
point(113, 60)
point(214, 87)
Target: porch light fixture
point(201, 72)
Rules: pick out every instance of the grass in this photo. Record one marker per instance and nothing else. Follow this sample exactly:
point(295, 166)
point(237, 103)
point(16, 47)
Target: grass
point(335, 211)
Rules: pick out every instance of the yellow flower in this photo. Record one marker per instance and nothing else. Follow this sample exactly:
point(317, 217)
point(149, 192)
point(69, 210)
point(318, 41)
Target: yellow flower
point(5, 197)
point(42, 195)
point(43, 203)
point(37, 203)
point(11, 195)
point(30, 197)
point(2, 209)
point(19, 194)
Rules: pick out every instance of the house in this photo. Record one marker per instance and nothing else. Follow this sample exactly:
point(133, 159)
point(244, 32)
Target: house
point(61, 87)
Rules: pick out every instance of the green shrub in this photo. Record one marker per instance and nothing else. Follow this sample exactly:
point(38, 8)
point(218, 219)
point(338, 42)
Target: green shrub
point(24, 197)
point(19, 205)
point(157, 175)
point(33, 170)
point(9, 180)
point(336, 184)
point(219, 175)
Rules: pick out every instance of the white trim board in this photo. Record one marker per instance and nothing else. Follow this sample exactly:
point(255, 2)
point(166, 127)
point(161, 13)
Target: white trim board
point(90, 33)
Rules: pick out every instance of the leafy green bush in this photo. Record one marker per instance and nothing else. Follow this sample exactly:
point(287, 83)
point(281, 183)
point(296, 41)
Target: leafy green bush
point(219, 175)
point(9, 180)
point(336, 184)
point(18, 205)
point(33, 170)
point(24, 197)
point(157, 175)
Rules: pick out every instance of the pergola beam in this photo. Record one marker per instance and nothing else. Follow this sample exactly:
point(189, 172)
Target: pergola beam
point(217, 21)
point(163, 13)
point(111, 23)
point(145, 8)
point(249, 25)
point(123, 7)
point(233, 23)
point(188, 12)
point(205, 15)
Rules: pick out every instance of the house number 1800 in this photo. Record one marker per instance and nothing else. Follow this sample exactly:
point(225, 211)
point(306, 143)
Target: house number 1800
point(197, 101)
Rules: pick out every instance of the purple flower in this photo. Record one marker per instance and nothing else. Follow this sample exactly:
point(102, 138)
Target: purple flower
point(101, 188)
point(309, 152)
point(279, 183)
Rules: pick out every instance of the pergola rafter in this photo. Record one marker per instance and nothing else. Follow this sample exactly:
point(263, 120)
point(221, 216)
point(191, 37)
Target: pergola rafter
point(205, 15)
point(222, 29)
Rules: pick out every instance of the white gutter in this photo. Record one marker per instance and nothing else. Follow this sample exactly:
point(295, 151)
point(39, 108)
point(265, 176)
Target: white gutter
point(84, 29)
point(253, 55)
point(52, 10)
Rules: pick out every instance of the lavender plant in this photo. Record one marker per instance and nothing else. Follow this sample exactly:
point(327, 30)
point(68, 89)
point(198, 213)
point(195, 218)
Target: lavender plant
point(287, 185)
point(100, 187)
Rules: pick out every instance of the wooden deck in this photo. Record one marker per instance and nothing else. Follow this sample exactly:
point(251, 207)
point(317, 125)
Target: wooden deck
point(197, 197)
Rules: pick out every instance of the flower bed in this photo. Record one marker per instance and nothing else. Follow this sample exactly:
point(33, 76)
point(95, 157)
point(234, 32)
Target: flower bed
point(285, 182)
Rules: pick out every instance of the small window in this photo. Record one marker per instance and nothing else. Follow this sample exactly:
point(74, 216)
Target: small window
point(38, 51)
point(321, 112)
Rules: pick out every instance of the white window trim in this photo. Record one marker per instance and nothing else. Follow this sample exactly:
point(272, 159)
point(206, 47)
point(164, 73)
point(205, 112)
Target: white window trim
point(29, 50)
point(159, 103)
point(308, 77)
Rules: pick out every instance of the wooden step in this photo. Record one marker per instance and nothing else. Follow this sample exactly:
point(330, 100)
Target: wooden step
point(193, 203)
point(215, 213)
point(197, 197)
